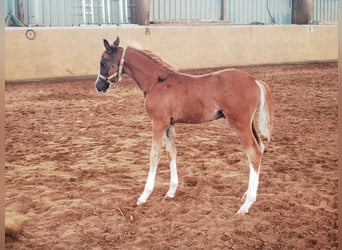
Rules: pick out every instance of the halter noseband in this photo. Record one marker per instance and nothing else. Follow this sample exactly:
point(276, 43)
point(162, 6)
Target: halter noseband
point(115, 74)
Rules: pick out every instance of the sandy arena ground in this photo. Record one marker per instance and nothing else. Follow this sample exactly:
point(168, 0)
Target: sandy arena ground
point(77, 160)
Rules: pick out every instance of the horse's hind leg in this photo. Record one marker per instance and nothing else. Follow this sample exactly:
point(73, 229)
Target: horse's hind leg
point(158, 130)
point(254, 155)
point(261, 145)
point(171, 150)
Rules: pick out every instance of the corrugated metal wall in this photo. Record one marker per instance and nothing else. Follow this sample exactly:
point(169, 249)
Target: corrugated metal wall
point(75, 12)
point(85, 12)
point(238, 11)
point(325, 11)
point(184, 10)
point(259, 11)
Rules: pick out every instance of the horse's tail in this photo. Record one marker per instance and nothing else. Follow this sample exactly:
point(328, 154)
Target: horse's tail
point(265, 109)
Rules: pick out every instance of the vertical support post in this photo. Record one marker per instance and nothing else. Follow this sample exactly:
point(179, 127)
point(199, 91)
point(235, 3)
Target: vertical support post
point(302, 11)
point(141, 12)
point(20, 11)
point(224, 10)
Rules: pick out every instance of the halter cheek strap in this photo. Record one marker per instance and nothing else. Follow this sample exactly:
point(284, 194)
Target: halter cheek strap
point(115, 74)
point(122, 61)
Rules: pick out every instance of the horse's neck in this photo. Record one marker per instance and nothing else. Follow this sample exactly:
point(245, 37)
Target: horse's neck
point(143, 69)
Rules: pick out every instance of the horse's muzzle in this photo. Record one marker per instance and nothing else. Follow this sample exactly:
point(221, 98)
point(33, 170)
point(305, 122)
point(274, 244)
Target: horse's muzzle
point(101, 85)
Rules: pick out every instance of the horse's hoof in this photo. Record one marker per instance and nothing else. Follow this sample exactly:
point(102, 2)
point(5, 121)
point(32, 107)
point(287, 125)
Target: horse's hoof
point(242, 211)
point(139, 202)
point(169, 196)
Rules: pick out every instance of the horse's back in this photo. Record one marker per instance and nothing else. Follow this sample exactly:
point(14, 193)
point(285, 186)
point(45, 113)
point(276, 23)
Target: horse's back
point(231, 85)
point(235, 91)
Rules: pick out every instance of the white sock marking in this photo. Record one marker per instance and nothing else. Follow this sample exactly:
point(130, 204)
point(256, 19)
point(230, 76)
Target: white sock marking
point(251, 193)
point(151, 176)
point(173, 179)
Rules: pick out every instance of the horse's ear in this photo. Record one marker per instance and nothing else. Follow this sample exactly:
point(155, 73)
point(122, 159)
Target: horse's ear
point(107, 45)
point(116, 42)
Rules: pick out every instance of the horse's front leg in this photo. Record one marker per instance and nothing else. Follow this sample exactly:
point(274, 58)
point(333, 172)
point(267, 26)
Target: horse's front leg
point(171, 150)
point(158, 130)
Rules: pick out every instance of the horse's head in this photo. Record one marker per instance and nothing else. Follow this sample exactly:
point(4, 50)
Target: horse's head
point(110, 65)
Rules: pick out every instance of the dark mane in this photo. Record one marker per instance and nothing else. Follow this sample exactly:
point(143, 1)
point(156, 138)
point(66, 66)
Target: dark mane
point(157, 59)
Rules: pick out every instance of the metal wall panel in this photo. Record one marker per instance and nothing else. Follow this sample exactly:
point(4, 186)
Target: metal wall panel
point(259, 11)
point(238, 11)
point(75, 12)
point(185, 10)
point(325, 11)
point(85, 12)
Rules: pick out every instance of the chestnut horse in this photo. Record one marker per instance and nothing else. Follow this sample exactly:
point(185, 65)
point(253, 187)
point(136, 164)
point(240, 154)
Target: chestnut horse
point(172, 97)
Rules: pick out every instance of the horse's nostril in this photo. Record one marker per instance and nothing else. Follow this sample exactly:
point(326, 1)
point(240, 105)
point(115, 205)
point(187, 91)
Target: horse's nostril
point(98, 89)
